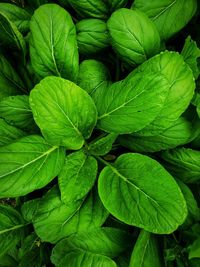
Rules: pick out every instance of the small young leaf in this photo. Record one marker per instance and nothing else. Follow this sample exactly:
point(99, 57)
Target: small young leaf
point(191, 55)
point(194, 249)
point(92, 74)
point(146, 252)
point(77, 176)
point(102, 145)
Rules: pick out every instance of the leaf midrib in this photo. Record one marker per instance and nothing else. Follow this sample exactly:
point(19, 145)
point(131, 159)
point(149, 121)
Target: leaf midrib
point(30, 162)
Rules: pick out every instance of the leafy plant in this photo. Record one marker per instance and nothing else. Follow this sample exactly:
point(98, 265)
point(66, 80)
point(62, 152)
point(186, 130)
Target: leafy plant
point(99, 133)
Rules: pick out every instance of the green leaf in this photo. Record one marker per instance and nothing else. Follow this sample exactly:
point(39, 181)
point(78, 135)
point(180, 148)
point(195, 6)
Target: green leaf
point(78, 258)
point(169, 16)
point(92, 74)
point(11, 228)
point(8, 133)
point(77, 176)
point(19, 16)
point(146, 252)
point(16, 111)
point(183, 163)
point(87, 8)
point(53, 45)
point(128, 30)
point(102, 145)
point(191, 55)
point(50, 212)
point(181, 87)
point(92, 36)
point(138, 191)
point(10, 82)
point(68, 114)
point(194, 249)
point(108, 242)
point(192, 206)
point(28, 164)
point(10, 36)
point(179, 133)
point(129, 105)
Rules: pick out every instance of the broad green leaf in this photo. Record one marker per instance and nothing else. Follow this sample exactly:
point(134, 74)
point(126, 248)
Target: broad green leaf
point(129, 105)
point(28, 164)
point(19, 16)
point(181, 87)
point(134, 37)
point(77, 258)
point(92, 74)
point(9, 134)
point(10, 82)
point(194, 249)
point(146, 252)
point(77, 176)
point(50, 212)
point(92, 36)
point(138, 191)
point(53, 45)
point(15, 111)
point(183, 163)
point(10, 36)
point(101, 242)
point(102, 145)
point(191, 55)
point(179, 133)
point(90, 8)
point(192, 206)
point(11, 228)
point(105, 241)
point(68, 114)
point(169, 16)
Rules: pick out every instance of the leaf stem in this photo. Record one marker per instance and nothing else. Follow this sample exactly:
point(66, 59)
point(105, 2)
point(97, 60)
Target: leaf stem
point(103, 161)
